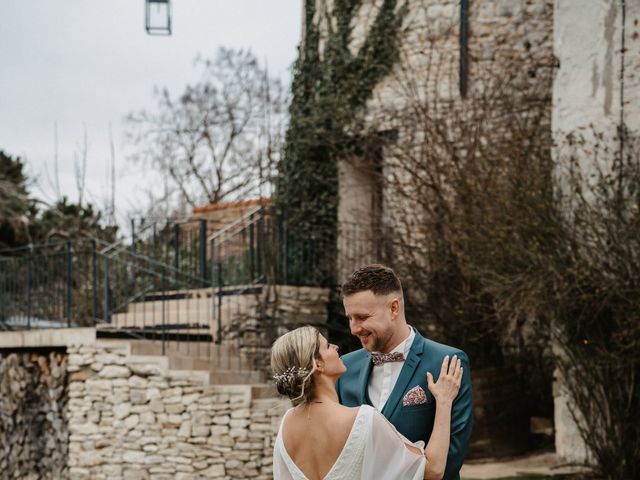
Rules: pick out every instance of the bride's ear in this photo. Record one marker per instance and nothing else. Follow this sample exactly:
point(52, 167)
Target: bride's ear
point(318, 365)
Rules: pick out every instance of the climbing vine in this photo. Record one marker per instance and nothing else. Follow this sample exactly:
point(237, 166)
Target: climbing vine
point(330, 89)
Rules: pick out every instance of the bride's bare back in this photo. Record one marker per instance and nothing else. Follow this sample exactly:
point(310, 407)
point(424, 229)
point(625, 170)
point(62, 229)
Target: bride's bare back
point(315, 434)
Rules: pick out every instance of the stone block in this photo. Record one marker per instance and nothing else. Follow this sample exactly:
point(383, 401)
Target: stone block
point(190, 398)
point(79, 473)
point(121, 410)
point(135, 474)
point(131, 421)
point(200, 431)
point(219, 430)
point(136, 381)
point(115, 371)
point(146, 369)
point(147, 418)
point(241, 413)
point(174, 408)
point(221, 420)
point(133, 456)
point(185, 430)
point(214, 471)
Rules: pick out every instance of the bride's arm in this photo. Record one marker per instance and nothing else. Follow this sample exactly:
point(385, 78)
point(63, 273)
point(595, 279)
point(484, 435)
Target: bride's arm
point(444, 391)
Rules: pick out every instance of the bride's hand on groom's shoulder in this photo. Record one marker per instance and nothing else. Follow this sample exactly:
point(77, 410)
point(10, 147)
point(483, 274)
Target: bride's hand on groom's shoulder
point(448, 384)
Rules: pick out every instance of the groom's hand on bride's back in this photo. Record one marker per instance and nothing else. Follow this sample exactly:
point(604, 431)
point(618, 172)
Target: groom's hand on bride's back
point(446, 388)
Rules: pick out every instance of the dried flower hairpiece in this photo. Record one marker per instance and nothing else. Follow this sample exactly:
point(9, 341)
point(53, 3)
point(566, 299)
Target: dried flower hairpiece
point(289, 374)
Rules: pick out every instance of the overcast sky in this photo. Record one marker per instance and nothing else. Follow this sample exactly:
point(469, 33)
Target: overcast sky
point(75, 62)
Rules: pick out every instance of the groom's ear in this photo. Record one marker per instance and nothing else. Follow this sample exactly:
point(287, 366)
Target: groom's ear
point(394, 305)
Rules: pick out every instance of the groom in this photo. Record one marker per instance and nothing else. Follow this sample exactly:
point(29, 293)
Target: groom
point(395, 382)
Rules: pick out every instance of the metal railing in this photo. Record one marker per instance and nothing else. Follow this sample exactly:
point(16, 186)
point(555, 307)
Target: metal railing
point(79, 284)
point(189, 296)
point(262, 247)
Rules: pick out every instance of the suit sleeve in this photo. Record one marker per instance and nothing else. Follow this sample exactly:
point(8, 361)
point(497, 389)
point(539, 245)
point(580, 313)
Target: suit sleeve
point(461, 423)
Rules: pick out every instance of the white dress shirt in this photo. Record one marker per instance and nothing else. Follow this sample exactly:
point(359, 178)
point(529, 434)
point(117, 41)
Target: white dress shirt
point(384, 377)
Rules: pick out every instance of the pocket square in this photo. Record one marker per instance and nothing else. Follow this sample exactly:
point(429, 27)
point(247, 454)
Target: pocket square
point(415, 396)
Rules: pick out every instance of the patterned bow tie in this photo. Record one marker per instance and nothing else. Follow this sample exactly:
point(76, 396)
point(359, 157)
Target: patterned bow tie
point(380, 358)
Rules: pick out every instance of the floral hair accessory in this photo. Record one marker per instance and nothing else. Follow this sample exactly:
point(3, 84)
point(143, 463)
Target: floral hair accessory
point(290, 374)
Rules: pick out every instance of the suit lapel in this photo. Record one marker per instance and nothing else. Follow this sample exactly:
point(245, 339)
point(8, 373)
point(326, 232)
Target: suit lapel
point(363, 379)
point(406, 374)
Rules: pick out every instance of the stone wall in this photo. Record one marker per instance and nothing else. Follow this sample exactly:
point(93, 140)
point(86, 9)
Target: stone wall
point(93, 410)
point(33, 426)
point(591, 87)
point(254, 325)
point(596, 87)
point(132, 418)
point(513, 36)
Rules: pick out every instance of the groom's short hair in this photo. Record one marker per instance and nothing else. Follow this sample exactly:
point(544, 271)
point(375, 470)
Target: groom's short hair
point(380, 279)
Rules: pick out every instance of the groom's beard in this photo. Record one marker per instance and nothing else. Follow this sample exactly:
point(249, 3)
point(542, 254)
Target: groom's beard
point(378, 343)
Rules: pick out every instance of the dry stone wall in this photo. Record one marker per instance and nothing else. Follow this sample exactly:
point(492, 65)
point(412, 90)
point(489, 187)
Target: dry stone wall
point(132, 418)
point(98, 412)
point(277, 309)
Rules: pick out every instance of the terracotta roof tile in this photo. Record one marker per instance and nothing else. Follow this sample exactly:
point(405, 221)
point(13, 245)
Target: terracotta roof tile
point(237, 204)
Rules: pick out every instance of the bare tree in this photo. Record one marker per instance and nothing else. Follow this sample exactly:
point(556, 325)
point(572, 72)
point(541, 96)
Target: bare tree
point(221, 137)
point(80, 164)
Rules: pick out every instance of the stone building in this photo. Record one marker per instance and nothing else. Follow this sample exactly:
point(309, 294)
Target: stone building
point(596, 90)
point(451, 52)
point(581, 59)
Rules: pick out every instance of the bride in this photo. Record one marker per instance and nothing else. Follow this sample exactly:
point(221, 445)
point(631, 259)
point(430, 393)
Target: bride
point(319, 439)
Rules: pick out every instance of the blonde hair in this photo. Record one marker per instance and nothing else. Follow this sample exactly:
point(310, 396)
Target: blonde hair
point(292, 363)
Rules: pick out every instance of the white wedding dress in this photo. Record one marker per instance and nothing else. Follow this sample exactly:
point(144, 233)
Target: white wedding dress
point(374, 450)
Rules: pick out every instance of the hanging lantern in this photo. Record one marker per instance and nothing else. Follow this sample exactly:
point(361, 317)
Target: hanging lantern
point(158, 17)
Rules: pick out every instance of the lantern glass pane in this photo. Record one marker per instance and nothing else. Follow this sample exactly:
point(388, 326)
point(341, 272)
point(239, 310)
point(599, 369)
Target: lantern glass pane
point(158, 17)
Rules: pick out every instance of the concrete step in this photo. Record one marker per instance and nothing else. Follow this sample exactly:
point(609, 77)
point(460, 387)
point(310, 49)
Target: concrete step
point(170, 305)
point(194, 304)
point(218, 377)
point(156, 316)
point(196, 355)
point(150, 319)
point(237, 365)
point(205, 363)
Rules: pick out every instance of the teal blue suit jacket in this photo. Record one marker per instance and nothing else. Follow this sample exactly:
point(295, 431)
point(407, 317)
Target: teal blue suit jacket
point(415, 422)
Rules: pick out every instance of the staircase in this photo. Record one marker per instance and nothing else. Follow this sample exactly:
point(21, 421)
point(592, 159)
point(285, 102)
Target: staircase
point(160, 297)
point(196, 313)
point(224, 364)
point(193, 295)
point(185, 320)
point(177, 365)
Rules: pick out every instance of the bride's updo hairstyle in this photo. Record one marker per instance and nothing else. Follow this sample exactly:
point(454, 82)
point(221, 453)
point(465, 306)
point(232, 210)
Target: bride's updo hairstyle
point(292, 363)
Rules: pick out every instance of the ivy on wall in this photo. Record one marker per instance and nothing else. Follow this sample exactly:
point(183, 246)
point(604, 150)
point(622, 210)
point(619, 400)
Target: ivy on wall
point(330, 89)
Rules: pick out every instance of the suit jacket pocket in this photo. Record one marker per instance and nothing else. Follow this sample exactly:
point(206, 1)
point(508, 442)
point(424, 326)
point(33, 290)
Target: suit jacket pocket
point(418, 408)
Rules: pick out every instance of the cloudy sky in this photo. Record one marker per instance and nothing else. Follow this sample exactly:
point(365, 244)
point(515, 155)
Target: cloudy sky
point(90, 62)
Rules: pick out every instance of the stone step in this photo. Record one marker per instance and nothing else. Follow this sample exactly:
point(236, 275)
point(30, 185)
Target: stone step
point(229, 363)
point(150, 317)
point(223, 366)
point(199, 356)
point(218, 377)
point(193, 304)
